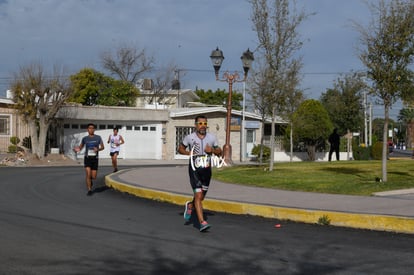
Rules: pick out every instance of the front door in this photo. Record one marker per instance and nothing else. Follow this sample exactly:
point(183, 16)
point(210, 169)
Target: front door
point(250, 138)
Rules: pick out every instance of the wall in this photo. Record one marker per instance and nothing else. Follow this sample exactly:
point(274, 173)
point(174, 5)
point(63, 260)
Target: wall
point(17, 128)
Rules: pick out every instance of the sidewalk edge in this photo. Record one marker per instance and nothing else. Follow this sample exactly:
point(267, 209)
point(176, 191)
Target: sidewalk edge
point(352, 220)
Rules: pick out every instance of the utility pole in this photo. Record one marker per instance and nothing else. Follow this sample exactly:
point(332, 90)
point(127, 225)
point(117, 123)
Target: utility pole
point(370, 124)
point(365, 120)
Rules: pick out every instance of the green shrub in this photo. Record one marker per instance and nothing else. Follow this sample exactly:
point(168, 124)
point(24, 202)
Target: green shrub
point(14, 140)
point(361, 153)
point(377, 150)
point(266, 152)
point(14, 149)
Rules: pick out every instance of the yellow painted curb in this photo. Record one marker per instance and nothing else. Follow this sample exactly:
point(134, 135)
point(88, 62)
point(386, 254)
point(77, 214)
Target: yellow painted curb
point(343, 219)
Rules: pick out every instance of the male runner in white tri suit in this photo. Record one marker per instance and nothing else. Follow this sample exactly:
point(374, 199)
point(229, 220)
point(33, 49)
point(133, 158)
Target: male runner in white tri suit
point(200, 145)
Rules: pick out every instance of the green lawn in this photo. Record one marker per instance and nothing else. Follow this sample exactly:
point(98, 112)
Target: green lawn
point(344, 177)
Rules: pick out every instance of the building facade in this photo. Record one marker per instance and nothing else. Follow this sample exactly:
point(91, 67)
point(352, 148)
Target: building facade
point(11, 125)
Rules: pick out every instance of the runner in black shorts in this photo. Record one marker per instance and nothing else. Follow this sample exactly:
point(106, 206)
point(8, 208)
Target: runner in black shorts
point(200, 145)
point(93, 144)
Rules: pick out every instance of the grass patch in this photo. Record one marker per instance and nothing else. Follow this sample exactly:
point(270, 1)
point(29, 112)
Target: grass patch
point(344, 177)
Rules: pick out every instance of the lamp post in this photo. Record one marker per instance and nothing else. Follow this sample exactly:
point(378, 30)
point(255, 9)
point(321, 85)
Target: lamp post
point(217, 58)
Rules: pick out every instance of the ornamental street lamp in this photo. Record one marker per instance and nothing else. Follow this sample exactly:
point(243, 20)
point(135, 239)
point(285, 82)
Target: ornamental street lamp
point(217, 58)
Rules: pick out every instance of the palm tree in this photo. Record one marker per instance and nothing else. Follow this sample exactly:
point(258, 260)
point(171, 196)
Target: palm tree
point(406, 116)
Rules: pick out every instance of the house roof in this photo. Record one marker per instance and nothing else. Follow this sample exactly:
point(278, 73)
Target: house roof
point(111, 113)
point(182, 112)
point(6, 101)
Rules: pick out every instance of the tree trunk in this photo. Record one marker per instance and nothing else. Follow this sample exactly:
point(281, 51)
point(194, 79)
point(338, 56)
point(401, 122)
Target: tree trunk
point(34, 136)
point(311, 152)
point(43, 129)
point(272, 142)
point(38, 134)
point(262, 141)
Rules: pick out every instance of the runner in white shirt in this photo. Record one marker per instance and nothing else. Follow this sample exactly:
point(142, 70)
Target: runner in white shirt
point(200, 145)
point(115, 140)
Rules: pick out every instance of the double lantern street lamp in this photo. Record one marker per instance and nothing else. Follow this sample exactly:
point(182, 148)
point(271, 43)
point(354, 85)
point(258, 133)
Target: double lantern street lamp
point(217, 58)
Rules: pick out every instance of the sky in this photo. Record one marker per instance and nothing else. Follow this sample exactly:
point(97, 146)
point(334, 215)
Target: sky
point(75, 33)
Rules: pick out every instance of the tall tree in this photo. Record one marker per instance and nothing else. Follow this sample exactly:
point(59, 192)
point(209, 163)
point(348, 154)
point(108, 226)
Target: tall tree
point(276, 23)
point(38, 97)
point(312, 125)
point(127, 62)
point(387, 53)
point(219, 97)
point(94, 88)
point(343, 103)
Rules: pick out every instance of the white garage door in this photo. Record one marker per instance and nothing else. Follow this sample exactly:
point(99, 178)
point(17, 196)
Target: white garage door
point(142, 141)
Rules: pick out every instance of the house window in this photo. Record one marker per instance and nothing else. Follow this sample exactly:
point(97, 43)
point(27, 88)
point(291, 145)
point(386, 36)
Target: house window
point(153, 128)
point(180, 133)
point(137, 128)
point(102, 126)
point(129, 127)
point(4, 125)
point(144, 128)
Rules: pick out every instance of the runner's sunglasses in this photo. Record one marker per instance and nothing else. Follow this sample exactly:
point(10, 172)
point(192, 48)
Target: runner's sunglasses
point(202, 123)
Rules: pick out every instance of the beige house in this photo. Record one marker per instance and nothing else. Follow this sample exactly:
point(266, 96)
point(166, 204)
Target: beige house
point(151, 131)
point(10, 125)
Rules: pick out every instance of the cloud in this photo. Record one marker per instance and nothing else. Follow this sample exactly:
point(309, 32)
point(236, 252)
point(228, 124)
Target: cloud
point(74, 33)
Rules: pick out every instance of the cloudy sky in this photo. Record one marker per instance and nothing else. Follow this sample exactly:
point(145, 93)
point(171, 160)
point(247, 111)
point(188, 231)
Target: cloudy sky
point(75, 32)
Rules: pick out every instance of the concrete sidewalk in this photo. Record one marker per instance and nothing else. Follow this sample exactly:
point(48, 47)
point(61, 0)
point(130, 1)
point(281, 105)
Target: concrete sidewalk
point(168, 182)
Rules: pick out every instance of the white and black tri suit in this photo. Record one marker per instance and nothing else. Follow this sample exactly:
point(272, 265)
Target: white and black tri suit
point(199, 168)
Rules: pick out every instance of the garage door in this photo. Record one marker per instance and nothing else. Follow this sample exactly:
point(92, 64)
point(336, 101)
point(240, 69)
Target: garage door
point(142, 141)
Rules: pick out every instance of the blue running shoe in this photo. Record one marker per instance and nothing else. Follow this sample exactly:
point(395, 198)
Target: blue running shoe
point(204, 226)
point(187, 211)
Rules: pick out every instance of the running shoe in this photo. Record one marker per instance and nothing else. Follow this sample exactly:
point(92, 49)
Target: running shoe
point(89, 193)
point(204, 226)
point(187, 211)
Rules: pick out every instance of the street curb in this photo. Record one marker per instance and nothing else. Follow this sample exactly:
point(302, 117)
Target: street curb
point(342, 219)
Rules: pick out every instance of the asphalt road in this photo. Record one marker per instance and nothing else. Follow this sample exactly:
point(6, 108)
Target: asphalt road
point(49, 226)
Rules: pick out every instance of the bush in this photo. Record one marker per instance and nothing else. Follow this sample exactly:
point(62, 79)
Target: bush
point(361, 153)
point(266, 152)
point(14, 149)
point(377, 150)
point(14, 140)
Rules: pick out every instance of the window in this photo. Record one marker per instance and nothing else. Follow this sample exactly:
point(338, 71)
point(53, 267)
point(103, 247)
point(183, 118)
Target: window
point(180, 133)
point(129, 127)
point(137, 128)
point(153, 128)
point(4, 125)
point(102, 126)
point(144, 128)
